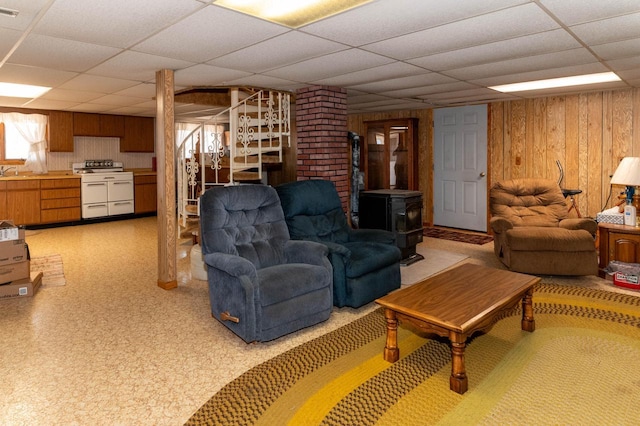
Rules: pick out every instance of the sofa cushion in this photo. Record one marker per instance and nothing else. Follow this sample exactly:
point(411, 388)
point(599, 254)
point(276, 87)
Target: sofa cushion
point(525, 238)
point(289, 281)
point(528, 202)
point(369, 256)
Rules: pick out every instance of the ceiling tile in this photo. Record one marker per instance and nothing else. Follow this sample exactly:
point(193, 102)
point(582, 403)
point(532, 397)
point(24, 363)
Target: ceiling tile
point(609, 30)
point(501, 25)
point(116, 23)
point(61, 54)
point(416, 92)
point(534, 44)
point(8, 39)
point(383, 72)
point(71, 95)
point(142, 90)
point(212, 32)
point(41, 103)
point(271, 54)
point(97, 83)
point(381, 20)
point(206, 75)
point(136, 66)
point(258, 80)
point(573, 12)
point(34, 75)
point(403, 83)
point(618, 50)
point(591, 68)
point(520, 65)
point(330, 65)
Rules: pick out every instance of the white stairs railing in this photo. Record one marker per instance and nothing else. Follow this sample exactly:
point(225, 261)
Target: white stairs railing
point(258, 128)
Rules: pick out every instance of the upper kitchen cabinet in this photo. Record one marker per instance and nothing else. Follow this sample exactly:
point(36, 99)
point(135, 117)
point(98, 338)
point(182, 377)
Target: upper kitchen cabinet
point(99, 125)
point(60, 131)
point(138, 134)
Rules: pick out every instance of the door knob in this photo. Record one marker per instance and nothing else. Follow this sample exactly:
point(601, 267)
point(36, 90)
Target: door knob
point(483, 174)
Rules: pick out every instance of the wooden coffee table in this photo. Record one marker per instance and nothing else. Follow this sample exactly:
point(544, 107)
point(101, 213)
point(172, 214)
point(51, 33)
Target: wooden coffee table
point(456, 304)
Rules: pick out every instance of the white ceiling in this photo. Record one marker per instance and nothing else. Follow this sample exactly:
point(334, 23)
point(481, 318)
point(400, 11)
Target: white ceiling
point(101, 56)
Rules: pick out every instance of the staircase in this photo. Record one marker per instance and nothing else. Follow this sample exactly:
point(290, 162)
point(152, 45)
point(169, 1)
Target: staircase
point(258, 128)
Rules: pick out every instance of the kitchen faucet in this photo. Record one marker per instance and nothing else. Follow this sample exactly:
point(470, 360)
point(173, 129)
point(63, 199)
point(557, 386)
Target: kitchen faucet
point(3, 170)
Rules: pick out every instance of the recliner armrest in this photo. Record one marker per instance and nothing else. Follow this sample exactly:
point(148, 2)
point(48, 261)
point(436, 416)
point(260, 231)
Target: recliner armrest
point(335, 248)
point(372, 235)
point(500, 224)
point(233, 265)
point(580, 223)
point(301, 251)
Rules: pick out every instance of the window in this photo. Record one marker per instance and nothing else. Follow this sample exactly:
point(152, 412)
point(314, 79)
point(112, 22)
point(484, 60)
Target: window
point(23, 140)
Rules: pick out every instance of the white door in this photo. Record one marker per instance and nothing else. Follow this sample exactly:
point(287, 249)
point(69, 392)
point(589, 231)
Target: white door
point(460, 167)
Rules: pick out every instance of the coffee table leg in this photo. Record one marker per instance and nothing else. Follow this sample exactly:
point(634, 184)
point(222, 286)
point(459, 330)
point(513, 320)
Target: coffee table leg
point(391, 351)
point(458, 381)
point(528, 323)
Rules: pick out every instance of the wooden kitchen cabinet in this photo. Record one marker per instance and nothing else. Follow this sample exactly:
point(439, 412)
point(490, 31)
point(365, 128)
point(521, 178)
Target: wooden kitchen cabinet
point(139, 134)
point(618, 242)
point(23, 201)
point(60, 200)
point(146, 196)
point(98, 125)
point(3, 201)
point(60, 131)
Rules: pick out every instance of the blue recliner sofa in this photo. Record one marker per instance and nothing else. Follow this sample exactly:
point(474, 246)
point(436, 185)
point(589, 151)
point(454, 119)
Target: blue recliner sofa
point(262, 284)
point(366, 262)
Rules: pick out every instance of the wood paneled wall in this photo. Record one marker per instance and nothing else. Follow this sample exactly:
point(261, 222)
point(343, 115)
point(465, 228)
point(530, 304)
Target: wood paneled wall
point(355, 123)
point(588, 133)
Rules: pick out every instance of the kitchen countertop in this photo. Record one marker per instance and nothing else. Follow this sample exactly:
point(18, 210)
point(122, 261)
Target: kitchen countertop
point(64, 174)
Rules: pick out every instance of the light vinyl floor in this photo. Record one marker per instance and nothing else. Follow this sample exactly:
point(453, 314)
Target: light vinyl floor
point(111, 347)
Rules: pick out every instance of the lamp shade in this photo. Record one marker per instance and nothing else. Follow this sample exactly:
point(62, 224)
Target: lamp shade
point(628, 172)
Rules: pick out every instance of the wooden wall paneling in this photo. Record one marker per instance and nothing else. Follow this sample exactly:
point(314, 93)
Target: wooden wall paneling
point(506, 142)
point(595, 149)
point(608, 166)
point(635, 137)
point(496, 142)
point(621, 126)
point(583, 153)
point(529, 159)
point(555, 136)
point(518, 139)
point(571, 164)
point(539, 138)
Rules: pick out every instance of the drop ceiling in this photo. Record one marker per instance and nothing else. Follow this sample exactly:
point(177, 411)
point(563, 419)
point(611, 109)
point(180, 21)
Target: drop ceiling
point(102, 56)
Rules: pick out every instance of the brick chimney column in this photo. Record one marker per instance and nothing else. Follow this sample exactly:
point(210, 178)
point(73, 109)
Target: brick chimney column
point(322, 142)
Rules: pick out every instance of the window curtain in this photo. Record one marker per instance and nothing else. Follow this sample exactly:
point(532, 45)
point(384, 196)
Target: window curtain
point(32, 127)
point(182, 131)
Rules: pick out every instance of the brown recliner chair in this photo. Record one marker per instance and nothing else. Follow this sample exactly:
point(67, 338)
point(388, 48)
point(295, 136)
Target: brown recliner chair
point(533, 233)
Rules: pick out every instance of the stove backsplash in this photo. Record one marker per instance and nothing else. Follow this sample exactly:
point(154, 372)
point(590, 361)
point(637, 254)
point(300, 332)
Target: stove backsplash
point(89, 148)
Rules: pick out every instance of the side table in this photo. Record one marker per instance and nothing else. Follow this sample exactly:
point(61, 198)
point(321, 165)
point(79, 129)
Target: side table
point(617, 242)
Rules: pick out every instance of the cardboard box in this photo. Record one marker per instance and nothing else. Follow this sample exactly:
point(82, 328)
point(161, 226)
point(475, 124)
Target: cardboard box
point(26, 287)
point(13, 251)
point(10, 232)
point(14, 272)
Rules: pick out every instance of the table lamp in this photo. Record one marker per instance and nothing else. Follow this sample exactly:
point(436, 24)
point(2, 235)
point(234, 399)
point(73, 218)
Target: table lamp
point(628, 174)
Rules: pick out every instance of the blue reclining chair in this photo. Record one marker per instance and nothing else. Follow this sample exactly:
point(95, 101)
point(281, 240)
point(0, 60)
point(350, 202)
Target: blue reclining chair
point(366, 262)
point(262, 284)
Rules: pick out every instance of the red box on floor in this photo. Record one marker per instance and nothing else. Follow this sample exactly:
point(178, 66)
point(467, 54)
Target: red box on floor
point(21, 288)
point(626, 280)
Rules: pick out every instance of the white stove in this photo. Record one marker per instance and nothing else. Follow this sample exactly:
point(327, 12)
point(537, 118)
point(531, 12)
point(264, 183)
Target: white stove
point(106, 189)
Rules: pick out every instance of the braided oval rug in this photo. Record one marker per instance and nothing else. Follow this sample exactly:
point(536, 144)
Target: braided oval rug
point(580, 366)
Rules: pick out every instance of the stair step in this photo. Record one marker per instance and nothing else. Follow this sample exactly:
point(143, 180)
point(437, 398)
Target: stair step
point(246, 176)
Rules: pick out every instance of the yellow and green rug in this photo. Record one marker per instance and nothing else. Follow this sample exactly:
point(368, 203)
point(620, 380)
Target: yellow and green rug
point(580, 366)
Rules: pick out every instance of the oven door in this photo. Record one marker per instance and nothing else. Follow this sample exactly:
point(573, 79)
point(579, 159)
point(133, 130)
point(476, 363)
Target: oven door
point(94, 192)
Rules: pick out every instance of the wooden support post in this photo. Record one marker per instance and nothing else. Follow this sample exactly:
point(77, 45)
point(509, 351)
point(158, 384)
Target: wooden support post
point(165, 154)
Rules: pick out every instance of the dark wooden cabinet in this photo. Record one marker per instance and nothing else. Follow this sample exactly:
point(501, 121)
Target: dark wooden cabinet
point(390, 154)
point(139, 134)
point(60, 131)
point(618, 242)
point(146, 195)
point(98, 125)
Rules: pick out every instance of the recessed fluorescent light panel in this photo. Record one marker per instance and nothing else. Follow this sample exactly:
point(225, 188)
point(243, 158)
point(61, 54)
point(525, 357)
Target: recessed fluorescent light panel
point(8, 12)
point(22, 90)
point(551, 83)
point(291, 13)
